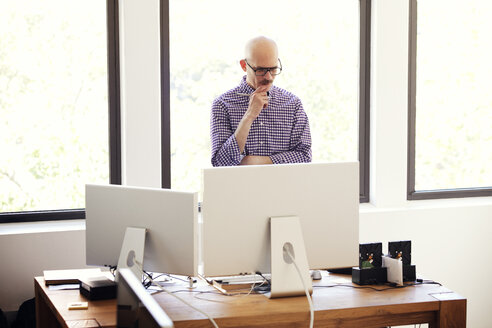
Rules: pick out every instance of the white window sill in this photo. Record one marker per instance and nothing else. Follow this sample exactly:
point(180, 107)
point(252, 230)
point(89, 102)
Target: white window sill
point(73, 225)
point(428, 204)
point(39, 227)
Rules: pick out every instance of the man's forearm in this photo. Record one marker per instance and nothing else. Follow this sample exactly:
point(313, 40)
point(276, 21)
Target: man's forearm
point(242, 132)
point(257, 101)
point(256, 160)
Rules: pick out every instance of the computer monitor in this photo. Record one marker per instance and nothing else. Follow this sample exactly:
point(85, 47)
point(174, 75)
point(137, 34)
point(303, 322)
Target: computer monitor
point(136, 308)
point(238, 203)
point(170, 218)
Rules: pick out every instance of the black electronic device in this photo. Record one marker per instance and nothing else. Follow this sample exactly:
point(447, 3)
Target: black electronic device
point(370, 270)
point(409, 273)
point(403, 250)
point(370, 255)
point(98, 288)
point(373, 276)
point(347, 270)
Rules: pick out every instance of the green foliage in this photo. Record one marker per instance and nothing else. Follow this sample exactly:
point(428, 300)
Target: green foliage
point(53, 103)
point(454, 103)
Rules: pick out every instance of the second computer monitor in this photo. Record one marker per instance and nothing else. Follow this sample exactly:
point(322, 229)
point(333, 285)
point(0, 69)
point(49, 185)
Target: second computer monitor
point(238, 203)
point(169, 217)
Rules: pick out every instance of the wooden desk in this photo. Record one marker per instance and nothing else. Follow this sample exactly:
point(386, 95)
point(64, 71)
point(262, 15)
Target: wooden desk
point(339, 306)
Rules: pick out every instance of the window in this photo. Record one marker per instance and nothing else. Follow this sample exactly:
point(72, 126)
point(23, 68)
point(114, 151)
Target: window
point(324, 48)
point(450, 102)
point(54, 73)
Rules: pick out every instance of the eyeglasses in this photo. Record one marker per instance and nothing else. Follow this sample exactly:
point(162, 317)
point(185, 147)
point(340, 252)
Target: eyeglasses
point(261, 71)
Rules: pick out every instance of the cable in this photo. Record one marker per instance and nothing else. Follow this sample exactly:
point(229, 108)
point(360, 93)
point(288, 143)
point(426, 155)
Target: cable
point(147, 284)
point(173, 277)
point(239, 294)
point(390, 287)
point(310, 301)
point(139, 266)
point(112, 269)
point(216, 292)
point(253, 285)
point(261, 275)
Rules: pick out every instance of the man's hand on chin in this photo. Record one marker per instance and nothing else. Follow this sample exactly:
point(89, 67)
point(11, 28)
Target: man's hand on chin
point(255, 160)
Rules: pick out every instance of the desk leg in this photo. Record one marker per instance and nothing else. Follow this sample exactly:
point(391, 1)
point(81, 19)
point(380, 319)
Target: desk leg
point(44, 315)
point(452, 311)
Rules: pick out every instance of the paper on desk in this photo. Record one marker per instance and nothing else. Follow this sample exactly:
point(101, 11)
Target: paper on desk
point(63, 287)
point(395, 269)
point(63, 277)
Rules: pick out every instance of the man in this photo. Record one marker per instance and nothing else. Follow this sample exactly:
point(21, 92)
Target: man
point(256, 122)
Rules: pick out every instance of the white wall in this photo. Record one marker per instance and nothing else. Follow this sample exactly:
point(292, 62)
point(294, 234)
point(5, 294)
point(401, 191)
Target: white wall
point(448, 246)
point(450, 238)
point(28, 249)
point(140, 92)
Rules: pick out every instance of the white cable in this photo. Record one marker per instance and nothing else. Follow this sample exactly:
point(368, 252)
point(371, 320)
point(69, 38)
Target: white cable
point(253, 286)
point(139, 265)
point(310, 301)
point(241, 294)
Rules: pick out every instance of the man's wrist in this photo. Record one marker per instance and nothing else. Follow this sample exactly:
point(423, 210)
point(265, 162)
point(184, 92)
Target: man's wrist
point(248, 119)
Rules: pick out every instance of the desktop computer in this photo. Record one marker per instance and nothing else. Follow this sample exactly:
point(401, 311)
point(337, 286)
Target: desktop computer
point(168, 219)
point(314, 207)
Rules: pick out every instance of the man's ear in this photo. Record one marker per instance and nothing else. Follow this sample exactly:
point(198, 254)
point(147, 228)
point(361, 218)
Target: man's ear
point(243, 64)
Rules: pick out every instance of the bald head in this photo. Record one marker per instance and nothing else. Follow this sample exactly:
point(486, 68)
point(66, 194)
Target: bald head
point(261, 48)
point(259, 52)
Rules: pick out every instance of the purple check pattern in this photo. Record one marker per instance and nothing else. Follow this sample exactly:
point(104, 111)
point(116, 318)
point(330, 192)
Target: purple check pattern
point(281, 131)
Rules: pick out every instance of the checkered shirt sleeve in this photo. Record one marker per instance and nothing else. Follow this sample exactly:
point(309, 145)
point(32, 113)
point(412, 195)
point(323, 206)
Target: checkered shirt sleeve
point(225, 148)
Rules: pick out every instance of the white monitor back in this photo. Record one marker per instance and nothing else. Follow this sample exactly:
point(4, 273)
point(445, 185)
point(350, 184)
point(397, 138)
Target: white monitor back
point(170, 217)
point(238, 202)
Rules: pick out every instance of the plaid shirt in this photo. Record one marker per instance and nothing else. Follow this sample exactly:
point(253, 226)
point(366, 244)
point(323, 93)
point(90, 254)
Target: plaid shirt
point(281, 131)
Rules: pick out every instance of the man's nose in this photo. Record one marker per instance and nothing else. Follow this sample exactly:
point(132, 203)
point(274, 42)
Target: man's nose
point(268, 75)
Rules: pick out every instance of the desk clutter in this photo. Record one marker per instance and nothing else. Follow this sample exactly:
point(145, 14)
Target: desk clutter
point(94, 284)
point(374, 268)
point(98, 288)
point(61, 277)
point(231, 284)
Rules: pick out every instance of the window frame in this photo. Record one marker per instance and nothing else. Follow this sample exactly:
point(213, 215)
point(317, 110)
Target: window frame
point(114, 126)
point(413, 194)
point(364, 96)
